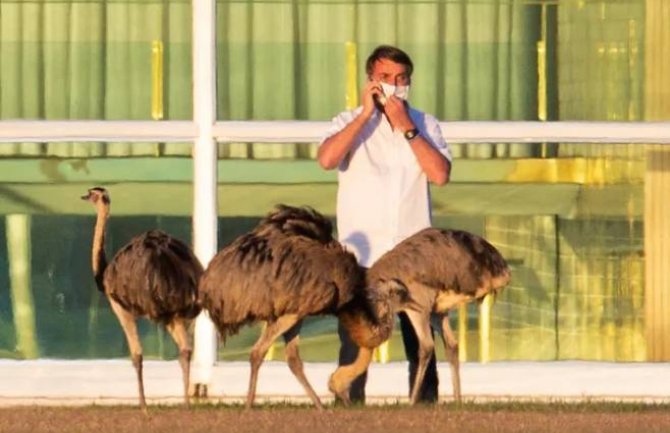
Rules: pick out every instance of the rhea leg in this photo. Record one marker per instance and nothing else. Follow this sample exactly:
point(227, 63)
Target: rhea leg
point(451, 350)
point(178, 330)
point(269, 335)
point(292, 338)
point(421, 324)
point(129, 326)
point(340, 381)
point(348, 354)
point(429, 392)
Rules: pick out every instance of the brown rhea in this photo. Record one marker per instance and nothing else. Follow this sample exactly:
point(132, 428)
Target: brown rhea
point(154, 276)
point(441, 269)
point(287, 268)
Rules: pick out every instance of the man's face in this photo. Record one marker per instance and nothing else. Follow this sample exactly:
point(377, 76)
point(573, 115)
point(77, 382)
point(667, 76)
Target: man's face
point(389, 72)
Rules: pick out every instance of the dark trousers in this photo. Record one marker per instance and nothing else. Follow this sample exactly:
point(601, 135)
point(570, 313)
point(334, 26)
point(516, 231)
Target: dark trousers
point(429, 388)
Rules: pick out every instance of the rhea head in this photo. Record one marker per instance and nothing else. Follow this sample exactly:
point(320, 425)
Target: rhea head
point(95, 195)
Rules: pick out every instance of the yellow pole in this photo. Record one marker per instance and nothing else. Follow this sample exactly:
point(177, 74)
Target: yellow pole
point(633, 52)
point(157, 80)
point(541, 80)
point(542, 74)
point(542, 68)
point(485, 329)
point(271, 351)
point(463, 333)
point(656, 184)
point(23, 305)
point(352, 75)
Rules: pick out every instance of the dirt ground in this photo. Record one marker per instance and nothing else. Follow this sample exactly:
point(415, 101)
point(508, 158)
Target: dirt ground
point(279, 419)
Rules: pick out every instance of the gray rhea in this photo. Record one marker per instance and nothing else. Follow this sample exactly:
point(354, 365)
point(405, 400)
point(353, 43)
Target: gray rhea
point(440, 270)
point(153, 276)
point(285, 269)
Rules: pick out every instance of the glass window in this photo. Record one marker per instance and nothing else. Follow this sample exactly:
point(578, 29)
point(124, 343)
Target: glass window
point(474, 60)
point(117, 59)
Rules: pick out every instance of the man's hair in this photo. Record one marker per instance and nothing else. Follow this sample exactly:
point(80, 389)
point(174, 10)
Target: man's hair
point(391, 53)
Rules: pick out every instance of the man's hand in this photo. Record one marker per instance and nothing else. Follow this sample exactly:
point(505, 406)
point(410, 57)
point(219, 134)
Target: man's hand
point(335, 148)
point(371, 91)
point(397, 113)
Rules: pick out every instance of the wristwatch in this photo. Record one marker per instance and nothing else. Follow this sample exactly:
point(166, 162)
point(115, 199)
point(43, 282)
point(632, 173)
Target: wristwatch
point(411, 133)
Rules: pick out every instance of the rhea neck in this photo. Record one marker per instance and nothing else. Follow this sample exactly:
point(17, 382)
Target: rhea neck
point(98, 257)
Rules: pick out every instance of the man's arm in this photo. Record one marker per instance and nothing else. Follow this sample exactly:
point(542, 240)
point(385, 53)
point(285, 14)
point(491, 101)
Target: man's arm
point(431, 161)
point(436, 166)
point(333, 150)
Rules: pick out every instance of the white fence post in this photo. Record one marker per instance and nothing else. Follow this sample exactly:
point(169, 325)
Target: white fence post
point(204, 178)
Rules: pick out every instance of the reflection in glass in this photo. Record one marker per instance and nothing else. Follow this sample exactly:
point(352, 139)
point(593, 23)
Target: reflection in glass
point(571, 227)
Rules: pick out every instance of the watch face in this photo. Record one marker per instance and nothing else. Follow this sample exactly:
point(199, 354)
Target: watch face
point(411, 133)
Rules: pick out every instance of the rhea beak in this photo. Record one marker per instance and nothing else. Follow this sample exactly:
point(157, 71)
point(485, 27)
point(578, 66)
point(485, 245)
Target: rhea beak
point(86, 197)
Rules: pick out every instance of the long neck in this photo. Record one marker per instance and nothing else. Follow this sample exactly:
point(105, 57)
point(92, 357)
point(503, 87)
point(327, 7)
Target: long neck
point(98, 257)
point(384, 318)
point(368, 319)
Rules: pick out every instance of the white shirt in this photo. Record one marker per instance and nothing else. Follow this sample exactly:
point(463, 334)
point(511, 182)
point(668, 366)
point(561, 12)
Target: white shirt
point(383, 195)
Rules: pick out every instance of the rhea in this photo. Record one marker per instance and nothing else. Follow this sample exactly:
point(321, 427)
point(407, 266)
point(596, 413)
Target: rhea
point(287, 268)
point(440, 269)
point(154, 276)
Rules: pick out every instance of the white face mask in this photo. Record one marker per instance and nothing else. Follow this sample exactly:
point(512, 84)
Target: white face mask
point(401, 92)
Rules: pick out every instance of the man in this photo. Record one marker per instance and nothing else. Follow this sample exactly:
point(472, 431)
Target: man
point(386, 153)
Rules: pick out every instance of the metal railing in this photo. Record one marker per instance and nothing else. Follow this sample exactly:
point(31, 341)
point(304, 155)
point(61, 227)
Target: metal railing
point(303, 131)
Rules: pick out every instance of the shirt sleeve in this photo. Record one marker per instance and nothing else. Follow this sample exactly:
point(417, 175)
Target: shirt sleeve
point(436, 138)
point(337, 124)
